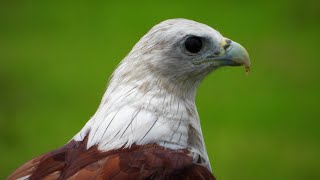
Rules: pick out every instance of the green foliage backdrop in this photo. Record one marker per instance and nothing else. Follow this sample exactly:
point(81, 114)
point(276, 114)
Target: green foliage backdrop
point(56, 57)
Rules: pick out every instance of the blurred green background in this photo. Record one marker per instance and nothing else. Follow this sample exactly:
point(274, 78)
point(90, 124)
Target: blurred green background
point(56, 57)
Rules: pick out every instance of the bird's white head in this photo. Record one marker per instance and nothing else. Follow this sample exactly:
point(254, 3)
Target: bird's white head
point(182, 52)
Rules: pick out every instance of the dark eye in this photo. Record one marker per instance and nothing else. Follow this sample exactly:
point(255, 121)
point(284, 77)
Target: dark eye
point(193, 44)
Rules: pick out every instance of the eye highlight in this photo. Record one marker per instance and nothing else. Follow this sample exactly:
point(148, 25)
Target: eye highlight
point(193, 44)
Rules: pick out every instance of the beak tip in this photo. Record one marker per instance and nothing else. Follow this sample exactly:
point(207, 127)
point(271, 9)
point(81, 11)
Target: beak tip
point(241, 56)
point(247, 68)
point(247, 64)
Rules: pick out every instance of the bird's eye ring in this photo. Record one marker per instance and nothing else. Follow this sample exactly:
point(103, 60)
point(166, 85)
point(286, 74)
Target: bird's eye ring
point(193, 44)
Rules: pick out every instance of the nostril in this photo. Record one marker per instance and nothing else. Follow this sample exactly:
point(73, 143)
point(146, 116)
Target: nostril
point(228, 41)
point(227, 45)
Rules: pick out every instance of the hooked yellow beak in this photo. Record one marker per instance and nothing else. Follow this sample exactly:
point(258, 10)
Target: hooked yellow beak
point(234, 55)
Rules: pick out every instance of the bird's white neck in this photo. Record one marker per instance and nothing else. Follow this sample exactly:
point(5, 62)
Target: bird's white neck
point(147, 110)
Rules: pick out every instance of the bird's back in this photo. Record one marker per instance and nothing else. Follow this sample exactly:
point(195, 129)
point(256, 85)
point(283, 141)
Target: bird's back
point(74, 161)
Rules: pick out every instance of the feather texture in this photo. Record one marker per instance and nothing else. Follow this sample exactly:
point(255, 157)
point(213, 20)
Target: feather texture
point(74, 161)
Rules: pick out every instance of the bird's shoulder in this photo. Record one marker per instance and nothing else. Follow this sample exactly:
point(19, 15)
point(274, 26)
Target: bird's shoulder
point(75, 161)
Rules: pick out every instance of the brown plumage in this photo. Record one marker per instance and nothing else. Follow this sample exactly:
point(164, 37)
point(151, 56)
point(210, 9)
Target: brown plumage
point(151, 161)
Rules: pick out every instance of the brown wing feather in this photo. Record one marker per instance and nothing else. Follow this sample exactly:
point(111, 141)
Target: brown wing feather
point(74, 161)
point(146, 162)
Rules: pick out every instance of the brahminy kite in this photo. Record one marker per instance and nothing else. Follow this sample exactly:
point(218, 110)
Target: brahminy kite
point(147, 125)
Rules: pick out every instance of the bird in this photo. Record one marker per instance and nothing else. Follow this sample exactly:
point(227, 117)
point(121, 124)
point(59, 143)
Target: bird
point(147, 125)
